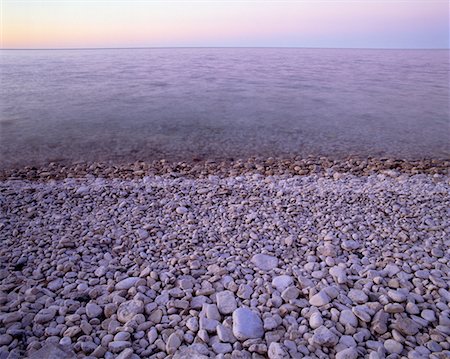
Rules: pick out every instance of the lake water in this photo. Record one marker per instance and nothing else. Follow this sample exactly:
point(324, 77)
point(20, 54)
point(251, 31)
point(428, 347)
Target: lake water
point(142, 104)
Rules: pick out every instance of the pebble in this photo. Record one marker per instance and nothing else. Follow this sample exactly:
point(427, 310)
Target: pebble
point(350, 245)
point(339, 274)
point(55, 285)
point(428, 315)
point(50, 351)
point(45, 315)
point(118, 346)
point(324, 337)
point(276, 351)
point(173, 343)
point(222, 348)
point(406, 326)
point(5, 339)
point(348, 318)
point(226, 302)
point(93, 310)
point(225, 334)
point(362, 312)
point(393, 347)
point(358, 296)
point(245, 291)
point(320, 299)
point(125, 354)
point(397, 296)
point(208, 324)
point(181, 210)
point(349, 353)
point(281, 282)
point(247, 324)
point(316, 320)
point(290, 293)
point(380, 322)
point(192, 324)
point(127, 310)
point(127, 283)
point(265, 262)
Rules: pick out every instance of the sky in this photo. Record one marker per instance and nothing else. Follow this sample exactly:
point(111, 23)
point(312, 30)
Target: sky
point(278, 23)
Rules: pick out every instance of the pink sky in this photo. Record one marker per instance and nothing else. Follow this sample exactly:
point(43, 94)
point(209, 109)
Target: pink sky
point(333, 23)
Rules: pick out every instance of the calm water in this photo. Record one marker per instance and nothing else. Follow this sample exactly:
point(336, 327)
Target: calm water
point(131, 104)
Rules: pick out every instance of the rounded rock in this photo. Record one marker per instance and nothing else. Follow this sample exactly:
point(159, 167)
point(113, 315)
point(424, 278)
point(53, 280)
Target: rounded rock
point(265, 262)
point(393, 347)
point(247, 324)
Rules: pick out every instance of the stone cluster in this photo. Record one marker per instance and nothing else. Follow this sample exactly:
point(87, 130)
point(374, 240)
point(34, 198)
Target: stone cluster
point(237, 266)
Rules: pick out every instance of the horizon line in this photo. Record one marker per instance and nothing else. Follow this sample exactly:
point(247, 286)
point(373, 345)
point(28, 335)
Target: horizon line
point(223, 47)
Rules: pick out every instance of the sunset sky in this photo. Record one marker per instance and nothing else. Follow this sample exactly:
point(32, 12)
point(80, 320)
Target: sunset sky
point(290, 23)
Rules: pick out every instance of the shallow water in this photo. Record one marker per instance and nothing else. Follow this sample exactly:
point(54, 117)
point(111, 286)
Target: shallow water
point(144, 104)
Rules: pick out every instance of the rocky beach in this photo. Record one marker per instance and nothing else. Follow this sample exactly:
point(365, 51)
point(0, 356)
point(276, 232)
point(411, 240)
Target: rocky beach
point(295, 258)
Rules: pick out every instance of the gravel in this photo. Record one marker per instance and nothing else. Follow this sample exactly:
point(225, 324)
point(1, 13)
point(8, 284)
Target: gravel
point(226, 263)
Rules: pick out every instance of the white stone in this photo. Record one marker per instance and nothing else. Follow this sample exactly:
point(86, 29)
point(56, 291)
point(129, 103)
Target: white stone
point(125, 354)
point(211, 311)
point(272, 322)
point(320, 299)
point(127, 310)
point(289, 241)
point(391, 270)
point(348, 318)
point(55, 284)
point(192, 324)
point(222, 348)
point(118, 346)
point(247, 324)
point(358, 296)
point(245, 291)
point(393, 347)
point(290, 293)
point(226, 302)
point(93, 310)
point(428, 315)
point(276, 351)
point(265, 262)
point(142, 233)
point(315, 320)
point(152, 335)
point(325, 337)
point(207, 324)
point(350, 245)
point(339, 274)
point(45, 315)
point(82, 190)
point(362, 312)
point(127, 283)
point(5, 339)
point(181, 210)
point(397, 296)
point(225, 334)
point(281, 282)
point(173, 343)
point(349, 353)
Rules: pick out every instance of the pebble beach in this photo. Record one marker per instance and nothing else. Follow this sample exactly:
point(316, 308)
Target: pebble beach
point(299, 258)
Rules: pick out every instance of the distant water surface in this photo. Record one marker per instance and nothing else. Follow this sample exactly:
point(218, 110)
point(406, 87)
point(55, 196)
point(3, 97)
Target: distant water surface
point(142, 104)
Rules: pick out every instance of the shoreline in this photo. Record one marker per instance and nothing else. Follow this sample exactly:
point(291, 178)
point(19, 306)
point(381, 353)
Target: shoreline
point(199, 168)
